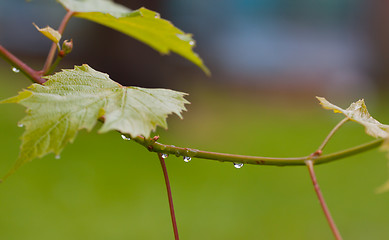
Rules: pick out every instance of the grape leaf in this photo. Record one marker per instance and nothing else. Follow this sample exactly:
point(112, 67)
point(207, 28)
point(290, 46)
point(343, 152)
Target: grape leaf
point(357, 112)
point(75, 99)
point(50, 33)
point(142, 24)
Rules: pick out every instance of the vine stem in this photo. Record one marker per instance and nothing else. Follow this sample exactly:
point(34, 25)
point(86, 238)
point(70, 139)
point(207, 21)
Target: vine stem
point(336, 128)
point(53, 48)
point(32, 74)
point(256, 160)
point(169, 194)
point(323, 204)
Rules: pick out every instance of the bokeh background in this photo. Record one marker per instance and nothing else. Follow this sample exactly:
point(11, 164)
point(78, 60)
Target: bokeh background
point(269, 59)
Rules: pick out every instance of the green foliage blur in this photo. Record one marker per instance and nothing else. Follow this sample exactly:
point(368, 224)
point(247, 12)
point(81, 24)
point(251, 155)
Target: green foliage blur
point(103, 187)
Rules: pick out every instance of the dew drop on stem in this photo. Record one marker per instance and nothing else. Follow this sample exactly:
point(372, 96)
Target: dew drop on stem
point(187, 159)
point(20, 125)
point(125, 137)
point(15, 70)
point(238, 165)
point(57, 156)
point(164, 155)
point(191, 42)
point(177, 153)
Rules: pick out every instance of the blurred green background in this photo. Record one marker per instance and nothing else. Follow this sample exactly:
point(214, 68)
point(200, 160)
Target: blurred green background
point(103, 187)
point(269, 59)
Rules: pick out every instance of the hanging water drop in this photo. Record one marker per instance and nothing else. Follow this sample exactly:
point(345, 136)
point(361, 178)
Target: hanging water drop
point(238, 165)
point(57, 156)
point(191, 42)
point(187, 159)
point(125, 137)
point(178, 154)
point(20, 125)
point(164, 155)
point(15, 70)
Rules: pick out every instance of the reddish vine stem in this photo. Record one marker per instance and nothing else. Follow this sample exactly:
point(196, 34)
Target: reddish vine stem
point(323, 204)
point(32, 74)
point(53, 48)
point(169, 194)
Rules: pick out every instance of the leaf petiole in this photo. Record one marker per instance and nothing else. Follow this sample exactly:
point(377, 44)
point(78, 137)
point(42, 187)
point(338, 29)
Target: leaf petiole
point(54, 46)
point(333, 131)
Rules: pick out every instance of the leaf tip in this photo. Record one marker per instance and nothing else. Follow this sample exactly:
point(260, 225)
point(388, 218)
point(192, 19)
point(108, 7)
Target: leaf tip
point(321, 99)
point(16, 99)
point(206, 70)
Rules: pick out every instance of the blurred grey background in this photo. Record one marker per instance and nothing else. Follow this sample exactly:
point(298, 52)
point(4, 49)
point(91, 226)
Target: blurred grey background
point(331, 46)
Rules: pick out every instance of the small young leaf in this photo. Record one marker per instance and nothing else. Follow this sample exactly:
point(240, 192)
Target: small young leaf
point(75, 99)
point(50, 33)
point(357, 112)
point(142, 24)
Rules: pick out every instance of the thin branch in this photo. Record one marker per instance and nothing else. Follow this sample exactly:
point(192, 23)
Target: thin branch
point(53, 48)
point(348, 152)
point(32, 74)
point(54, 65)
point(333, 131)
point(323, 204)
point(256, 160)
point(169, 194)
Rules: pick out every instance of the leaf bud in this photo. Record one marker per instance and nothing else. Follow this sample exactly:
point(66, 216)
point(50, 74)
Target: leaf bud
point(67, 46)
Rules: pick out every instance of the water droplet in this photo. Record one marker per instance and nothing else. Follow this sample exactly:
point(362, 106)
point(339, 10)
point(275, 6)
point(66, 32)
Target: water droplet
point(187, 159)
point(157, 16)
point(15, 70)
point(238, 165)
point(126, 138)
point(20, 125)
point(191, 42)
point(164, 155)
point(57, 156)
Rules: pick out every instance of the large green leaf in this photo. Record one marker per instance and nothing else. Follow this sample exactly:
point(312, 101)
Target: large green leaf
point(357, 112)
point(75, 99)
point(142, 24)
